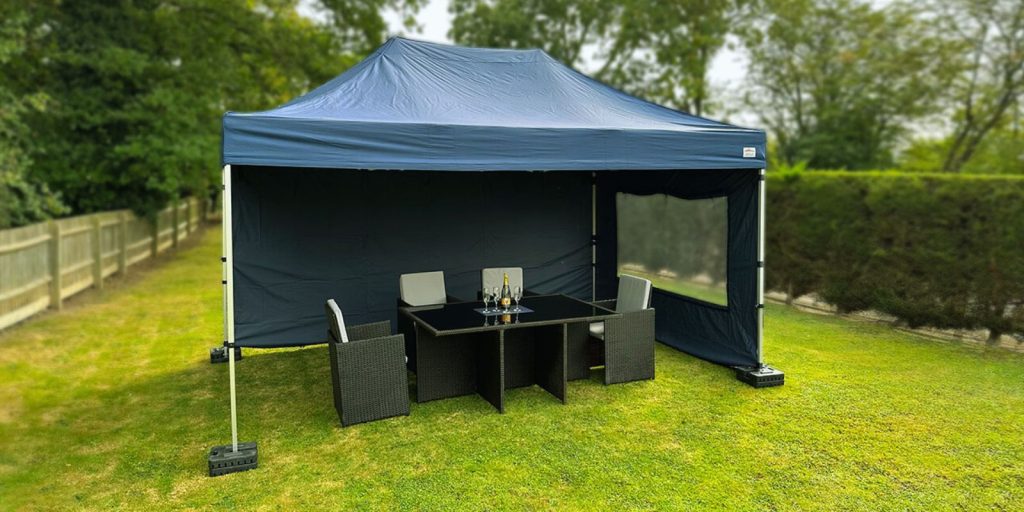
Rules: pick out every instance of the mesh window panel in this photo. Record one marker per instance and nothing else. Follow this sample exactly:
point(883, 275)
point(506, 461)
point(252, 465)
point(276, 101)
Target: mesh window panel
point(679, 244)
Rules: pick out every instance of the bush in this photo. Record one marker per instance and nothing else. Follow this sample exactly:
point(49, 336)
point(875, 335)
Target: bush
point(23, 203)
point(933, 250)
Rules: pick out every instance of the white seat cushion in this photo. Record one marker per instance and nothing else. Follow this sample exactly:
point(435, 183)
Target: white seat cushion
point(491, 277)
point(336, 321)
point(634, 294)
point(422, 289)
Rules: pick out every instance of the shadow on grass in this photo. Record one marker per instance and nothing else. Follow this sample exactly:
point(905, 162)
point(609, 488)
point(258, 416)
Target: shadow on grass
point(151, 435)
point(283, 394)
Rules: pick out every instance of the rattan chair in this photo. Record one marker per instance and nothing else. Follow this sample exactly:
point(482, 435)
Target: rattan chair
point(417, 290)
point(368, 375)
point(625, 344)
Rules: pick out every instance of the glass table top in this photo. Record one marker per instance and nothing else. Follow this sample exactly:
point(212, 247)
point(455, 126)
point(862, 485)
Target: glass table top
point(547, 309)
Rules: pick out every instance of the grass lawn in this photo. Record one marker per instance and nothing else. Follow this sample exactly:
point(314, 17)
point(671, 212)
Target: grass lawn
point(113, 404)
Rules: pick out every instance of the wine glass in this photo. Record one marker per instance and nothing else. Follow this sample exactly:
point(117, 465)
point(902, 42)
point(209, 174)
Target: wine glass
point(486, 295)
point(497, 297)
point(517, 295)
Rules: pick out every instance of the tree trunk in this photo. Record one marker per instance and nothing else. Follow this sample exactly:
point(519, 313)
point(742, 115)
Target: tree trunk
point(993, 337)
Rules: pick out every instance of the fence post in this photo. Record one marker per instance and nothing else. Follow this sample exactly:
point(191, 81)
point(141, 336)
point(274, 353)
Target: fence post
point(188, 217)
point(97, 251)
point(122, 253)
point(55, 276)
point(175, 206)
point(155, 246)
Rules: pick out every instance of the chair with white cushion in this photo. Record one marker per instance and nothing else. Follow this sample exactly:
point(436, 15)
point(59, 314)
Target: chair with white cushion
point(423, 289)
point(625, 344)
point(368, 376)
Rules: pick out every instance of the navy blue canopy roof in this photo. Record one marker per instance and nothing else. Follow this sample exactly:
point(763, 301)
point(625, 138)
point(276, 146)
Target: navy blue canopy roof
point(423, 106)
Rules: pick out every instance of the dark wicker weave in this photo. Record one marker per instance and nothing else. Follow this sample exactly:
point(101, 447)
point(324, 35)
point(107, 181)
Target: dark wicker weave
point(490, 375)
point(369, 331)
point(368, 374)
point(405, 327)
point(595, 346)
point(489, 359)
point(578, 351)
point(446, 366)
point(628, 345)
point(519, 357)
point(550, 360)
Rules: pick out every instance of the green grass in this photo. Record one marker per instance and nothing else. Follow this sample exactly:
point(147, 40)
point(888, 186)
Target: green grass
point(112, 404)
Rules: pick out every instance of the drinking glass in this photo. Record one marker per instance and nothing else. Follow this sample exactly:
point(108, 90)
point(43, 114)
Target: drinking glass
point(487, 299)
point(497, 297)
point(517, 295)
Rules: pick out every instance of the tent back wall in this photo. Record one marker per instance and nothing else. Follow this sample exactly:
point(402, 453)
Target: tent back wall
point(302, 236)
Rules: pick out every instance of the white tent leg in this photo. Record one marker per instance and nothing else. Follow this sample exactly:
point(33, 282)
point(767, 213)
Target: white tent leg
point(229, 302)
point(236, 456)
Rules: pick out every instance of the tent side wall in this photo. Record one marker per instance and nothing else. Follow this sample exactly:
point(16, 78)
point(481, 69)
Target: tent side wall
point(302, 236)
point(722, 334)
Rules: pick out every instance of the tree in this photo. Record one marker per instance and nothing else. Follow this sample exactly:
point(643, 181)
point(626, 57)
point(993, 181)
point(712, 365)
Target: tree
point(993, 80)
point(664, 53)
point(358, 25)
point(138, 87)
point(1001, 152)
point(837, 82)
point(661, 53)
point(21, 201)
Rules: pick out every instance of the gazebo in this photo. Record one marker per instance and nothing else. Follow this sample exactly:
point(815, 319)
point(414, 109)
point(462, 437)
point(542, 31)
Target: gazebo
point(433, 157)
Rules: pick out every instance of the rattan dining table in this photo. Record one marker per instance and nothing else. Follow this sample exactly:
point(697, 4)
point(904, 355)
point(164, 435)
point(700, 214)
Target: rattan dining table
point(457, 350)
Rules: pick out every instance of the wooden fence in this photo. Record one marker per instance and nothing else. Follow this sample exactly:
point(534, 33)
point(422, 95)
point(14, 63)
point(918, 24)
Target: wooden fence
point(43, 264)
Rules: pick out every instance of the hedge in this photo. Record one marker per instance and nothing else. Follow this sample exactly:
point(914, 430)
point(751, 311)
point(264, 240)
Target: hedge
point(943, 250)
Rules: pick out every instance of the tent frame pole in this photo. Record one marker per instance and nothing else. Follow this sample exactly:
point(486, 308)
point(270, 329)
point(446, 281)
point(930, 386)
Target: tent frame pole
point(593, 236)
point(236, 456)
point(760, 375)
point(760, 267)
point(229, 301)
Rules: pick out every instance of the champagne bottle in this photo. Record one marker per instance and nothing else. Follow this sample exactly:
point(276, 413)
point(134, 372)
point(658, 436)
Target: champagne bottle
point(506, 294)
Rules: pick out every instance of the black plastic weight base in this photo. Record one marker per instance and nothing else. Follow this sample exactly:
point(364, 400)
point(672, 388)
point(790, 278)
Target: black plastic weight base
point(220, 354)
point(763, 377)
point(223, 461)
